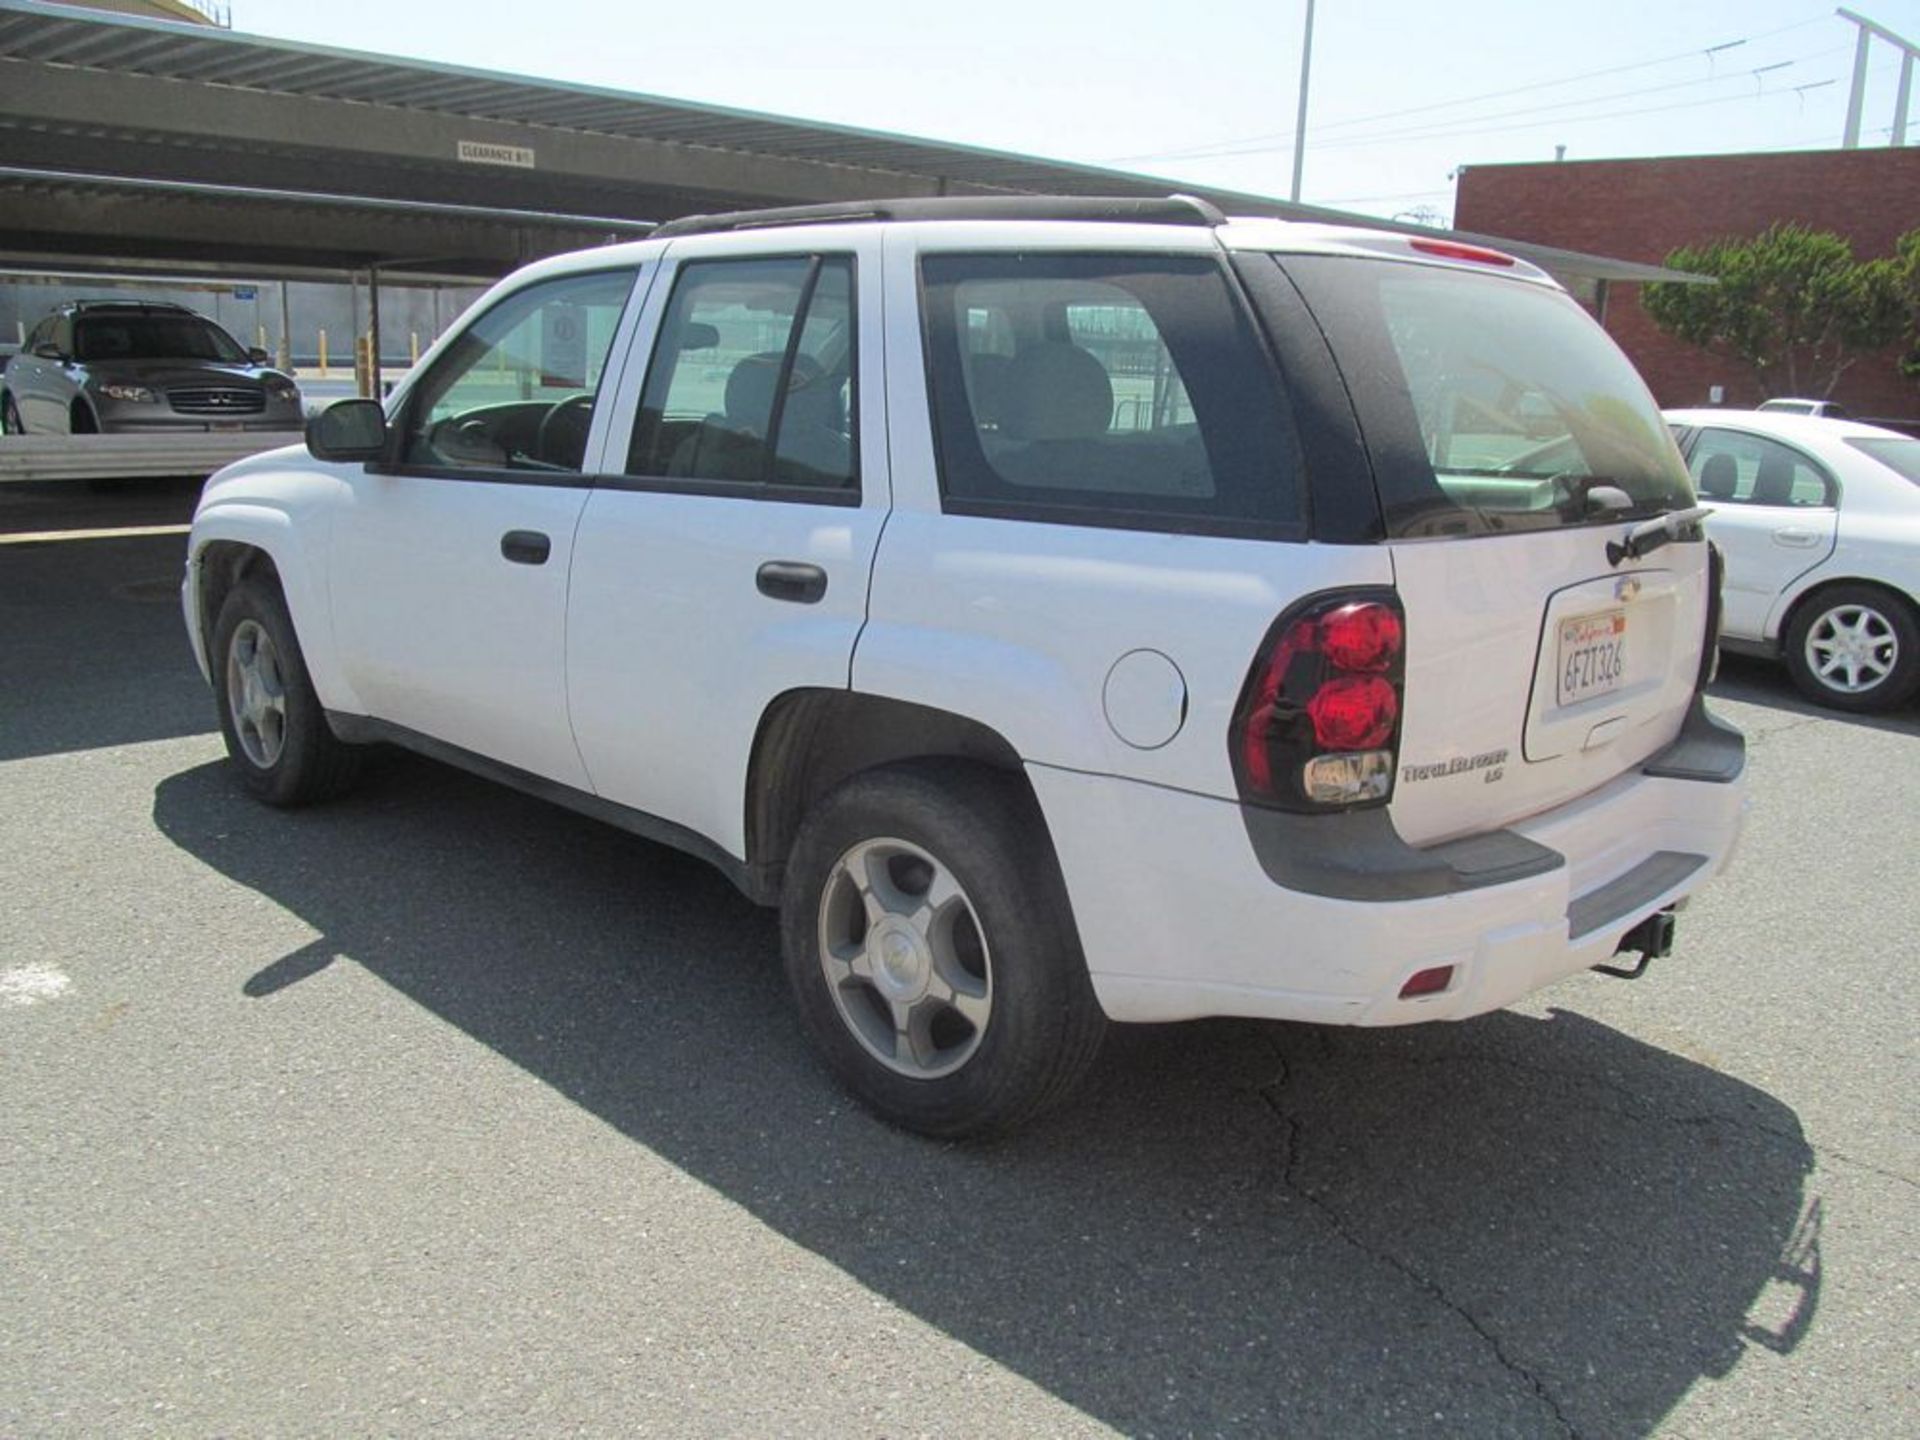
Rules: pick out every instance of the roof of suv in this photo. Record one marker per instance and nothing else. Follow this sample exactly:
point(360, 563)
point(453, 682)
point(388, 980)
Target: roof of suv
point(1173, 212)
point(134, 307)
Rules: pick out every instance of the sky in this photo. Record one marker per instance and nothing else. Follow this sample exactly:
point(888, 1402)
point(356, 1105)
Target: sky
point(1203, 92)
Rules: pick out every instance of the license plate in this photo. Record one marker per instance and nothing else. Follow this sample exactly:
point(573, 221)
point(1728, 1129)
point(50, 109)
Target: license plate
point(1593, 655)
point(225, 426)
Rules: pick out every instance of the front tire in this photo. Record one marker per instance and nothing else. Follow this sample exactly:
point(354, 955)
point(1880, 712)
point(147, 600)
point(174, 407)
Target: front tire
point(278, 740)
point(10, 423)
point(1855, 647)
point(932, 953)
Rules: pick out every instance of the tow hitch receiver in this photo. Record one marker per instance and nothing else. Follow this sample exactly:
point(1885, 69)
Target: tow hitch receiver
point(1651, 939)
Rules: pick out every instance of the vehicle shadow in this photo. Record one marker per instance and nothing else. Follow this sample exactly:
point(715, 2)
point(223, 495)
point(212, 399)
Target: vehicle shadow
point(1754, 681)
point(1515, 1225)
point(96, 650)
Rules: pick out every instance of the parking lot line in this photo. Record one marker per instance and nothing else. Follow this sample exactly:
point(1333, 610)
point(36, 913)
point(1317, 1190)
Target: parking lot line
point(125, 532)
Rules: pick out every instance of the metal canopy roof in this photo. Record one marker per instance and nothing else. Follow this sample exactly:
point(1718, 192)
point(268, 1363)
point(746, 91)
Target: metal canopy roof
point(332, 148)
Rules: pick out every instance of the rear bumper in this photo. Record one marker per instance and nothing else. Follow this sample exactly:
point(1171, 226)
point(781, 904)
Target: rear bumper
point(1180, 919)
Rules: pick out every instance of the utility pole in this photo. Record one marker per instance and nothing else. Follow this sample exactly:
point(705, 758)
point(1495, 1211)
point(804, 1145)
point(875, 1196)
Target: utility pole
point(1857, 96)
point(1300, 124)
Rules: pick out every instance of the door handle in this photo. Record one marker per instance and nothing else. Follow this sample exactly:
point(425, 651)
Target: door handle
point(526, 547)
point(1796, 536)
point(791, 580)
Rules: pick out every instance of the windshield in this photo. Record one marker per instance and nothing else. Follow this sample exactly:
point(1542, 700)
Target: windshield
point(154, 337)
point(1490, 404)
point(1900, 455)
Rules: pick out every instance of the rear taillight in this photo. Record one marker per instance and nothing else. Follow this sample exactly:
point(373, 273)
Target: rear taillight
point(1318, 723)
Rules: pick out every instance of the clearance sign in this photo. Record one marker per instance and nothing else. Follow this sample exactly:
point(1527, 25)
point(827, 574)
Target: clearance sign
point(479, 152)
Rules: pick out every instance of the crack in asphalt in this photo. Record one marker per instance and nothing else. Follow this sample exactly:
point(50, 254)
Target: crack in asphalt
point(1289, 1180)
point(1636, 1107)
point(1759, 735)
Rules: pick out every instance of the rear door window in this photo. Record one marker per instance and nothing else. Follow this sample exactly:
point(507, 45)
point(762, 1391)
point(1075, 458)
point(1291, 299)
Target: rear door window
point(1490, 404)
point(1105, 389)
point(1732, 468)
point(753, 381)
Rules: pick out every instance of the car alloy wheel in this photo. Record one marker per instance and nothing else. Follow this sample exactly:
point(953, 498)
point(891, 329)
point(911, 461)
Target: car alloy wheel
point(1852, 649)
point(904, 958)
point(257, 694)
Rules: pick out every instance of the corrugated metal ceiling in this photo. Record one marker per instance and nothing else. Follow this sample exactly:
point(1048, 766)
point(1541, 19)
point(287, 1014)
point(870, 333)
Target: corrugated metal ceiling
point(53, 34)
point(59, 35)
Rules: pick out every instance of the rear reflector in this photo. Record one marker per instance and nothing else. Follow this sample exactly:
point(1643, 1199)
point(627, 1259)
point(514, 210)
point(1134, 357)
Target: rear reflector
point(1454, 250)
point(1427, 982)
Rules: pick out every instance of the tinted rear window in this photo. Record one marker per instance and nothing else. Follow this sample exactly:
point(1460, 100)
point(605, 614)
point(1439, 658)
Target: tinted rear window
point(1490, 404)
point(1899, 455)
point(1105, 389)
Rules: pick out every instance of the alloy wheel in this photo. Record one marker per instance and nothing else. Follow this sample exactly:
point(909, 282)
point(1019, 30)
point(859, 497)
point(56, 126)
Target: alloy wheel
point(1852, 648)
point(256, 694)
point(904, 958)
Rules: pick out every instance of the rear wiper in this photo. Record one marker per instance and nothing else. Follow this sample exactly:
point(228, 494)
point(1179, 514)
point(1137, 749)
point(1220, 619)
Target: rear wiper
point(1649, 535)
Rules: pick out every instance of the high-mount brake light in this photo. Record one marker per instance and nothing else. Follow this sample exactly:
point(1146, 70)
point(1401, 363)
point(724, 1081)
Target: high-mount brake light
point(1455, 250)
point(1318, 722)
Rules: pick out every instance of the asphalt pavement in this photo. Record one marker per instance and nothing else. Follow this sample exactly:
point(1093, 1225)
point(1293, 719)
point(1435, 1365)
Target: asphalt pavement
point(439, 1110)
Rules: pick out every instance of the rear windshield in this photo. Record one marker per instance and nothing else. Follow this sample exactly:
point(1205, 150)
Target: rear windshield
point(154, 337)
point(1900, 455)
point(1490, 404)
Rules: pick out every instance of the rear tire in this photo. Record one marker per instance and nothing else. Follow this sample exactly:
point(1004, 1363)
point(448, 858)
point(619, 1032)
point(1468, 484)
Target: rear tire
point(932, 953)
point(1855, 647)
point(278, 740)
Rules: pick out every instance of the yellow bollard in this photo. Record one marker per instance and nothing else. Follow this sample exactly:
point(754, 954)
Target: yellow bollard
point(413, 345)
point(323, 354)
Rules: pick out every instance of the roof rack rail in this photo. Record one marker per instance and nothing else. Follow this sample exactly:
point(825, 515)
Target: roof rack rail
point(111, 302)
point(1137, 209)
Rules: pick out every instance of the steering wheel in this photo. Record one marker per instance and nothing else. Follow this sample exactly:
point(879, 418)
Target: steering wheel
point(565, 427)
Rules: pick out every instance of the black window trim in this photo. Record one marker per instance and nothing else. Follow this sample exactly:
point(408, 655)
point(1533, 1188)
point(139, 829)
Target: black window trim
point(389, 462)
point(1109, 517)
point(763, 490)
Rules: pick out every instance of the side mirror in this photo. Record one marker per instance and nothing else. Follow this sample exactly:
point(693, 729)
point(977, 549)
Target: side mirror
point(258, 356)
point(47, 350)
point(699, 336)
point(348, 430)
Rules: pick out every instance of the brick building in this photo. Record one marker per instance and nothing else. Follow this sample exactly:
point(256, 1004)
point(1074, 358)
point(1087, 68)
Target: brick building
point(1642, 209)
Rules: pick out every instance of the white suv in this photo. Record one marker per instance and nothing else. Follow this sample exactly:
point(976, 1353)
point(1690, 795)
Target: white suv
point(1065, 611)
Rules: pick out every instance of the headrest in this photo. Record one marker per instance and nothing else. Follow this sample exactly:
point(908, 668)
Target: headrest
point(1718, 477)
point(750, 390)
point(1774, 484)
point(1057, 391)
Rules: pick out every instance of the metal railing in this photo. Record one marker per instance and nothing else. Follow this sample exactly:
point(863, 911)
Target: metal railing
point(117, 457)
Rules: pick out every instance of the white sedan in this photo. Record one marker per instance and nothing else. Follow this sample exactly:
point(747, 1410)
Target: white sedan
point(1819, 521)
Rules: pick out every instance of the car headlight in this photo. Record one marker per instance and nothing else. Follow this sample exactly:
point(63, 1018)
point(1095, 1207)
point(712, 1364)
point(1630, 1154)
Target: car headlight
point(138, 394)
point(283, 390)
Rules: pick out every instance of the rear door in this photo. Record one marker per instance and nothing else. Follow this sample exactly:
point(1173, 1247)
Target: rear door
point(1511, 442)
point(723, 558)
point(1775, 516)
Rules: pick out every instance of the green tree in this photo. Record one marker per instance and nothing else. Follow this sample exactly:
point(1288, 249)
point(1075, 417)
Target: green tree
point(1906, 264)
point(1792, 303)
